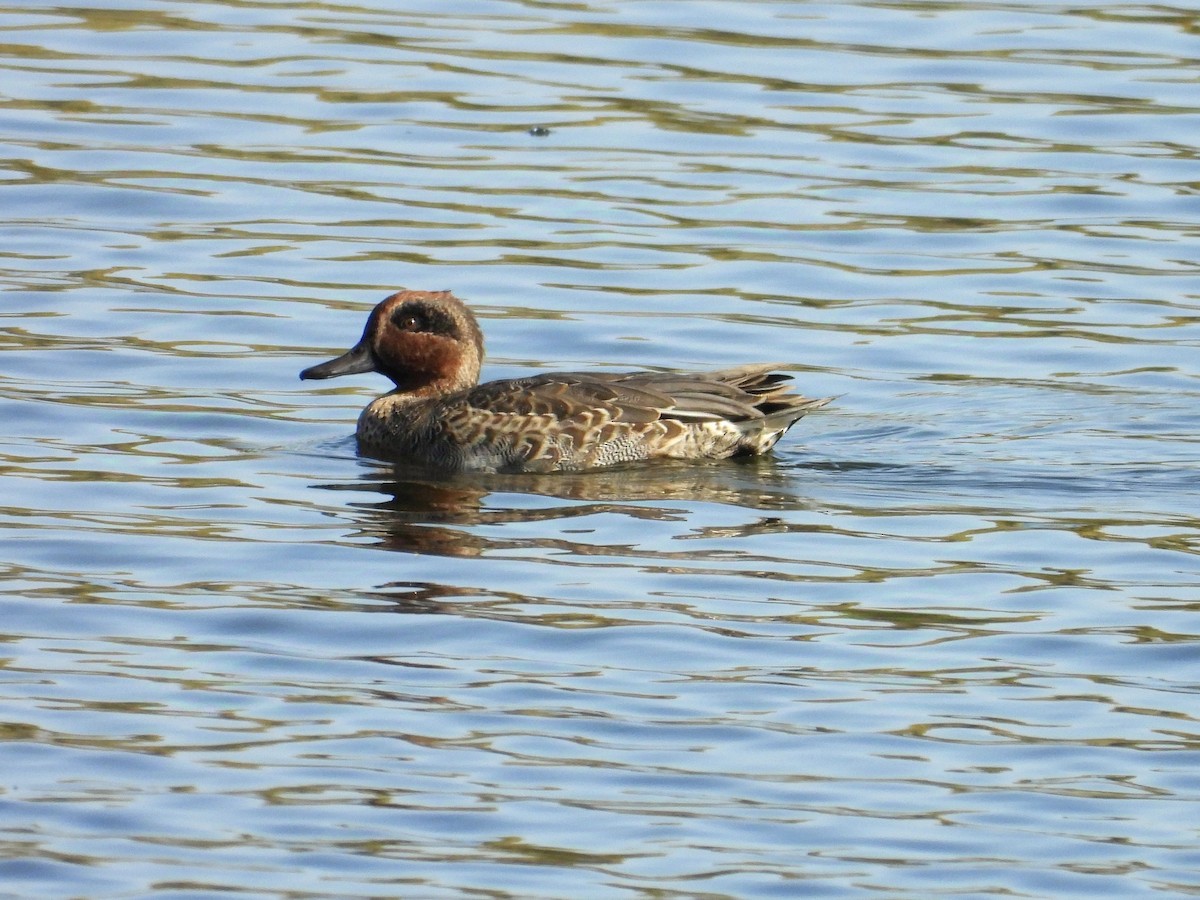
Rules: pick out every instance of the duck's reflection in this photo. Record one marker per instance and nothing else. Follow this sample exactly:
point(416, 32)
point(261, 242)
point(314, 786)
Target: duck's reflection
point(423, 512)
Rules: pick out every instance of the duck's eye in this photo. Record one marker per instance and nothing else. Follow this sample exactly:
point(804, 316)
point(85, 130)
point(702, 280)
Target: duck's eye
point(406, 320)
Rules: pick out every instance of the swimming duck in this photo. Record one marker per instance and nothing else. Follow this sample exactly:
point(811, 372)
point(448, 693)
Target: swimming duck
point(429, 344)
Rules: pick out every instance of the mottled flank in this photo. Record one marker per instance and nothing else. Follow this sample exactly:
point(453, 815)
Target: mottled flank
point(430, 346)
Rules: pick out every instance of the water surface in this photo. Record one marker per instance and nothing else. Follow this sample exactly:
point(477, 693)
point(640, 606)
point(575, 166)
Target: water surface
point(942, 641)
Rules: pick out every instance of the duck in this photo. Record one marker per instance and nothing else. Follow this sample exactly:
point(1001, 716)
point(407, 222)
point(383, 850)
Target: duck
point(431, 347)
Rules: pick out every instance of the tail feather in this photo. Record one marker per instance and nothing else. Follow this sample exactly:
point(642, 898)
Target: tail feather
point(761, 434)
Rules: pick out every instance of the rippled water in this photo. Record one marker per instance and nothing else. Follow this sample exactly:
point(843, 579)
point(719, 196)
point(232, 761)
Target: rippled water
point(943, 642)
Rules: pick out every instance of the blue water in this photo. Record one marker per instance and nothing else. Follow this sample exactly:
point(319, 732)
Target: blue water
point(943, 641)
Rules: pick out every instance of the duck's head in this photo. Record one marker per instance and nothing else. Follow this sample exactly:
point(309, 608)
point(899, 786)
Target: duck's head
point(424, 341)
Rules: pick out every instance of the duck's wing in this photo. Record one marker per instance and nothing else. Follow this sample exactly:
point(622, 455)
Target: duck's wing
point(746, 393)
point(565, 396)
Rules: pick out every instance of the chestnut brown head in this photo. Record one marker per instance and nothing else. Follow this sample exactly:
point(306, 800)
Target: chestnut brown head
point(424, 341)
